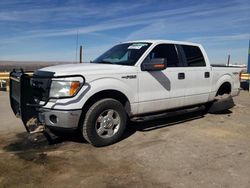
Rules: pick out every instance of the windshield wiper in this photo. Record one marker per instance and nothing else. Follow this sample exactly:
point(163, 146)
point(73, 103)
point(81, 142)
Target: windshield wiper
point(105, 62)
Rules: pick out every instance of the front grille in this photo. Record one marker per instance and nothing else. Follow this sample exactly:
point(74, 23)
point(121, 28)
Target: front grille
point(15, 87)
point(40, 88)
point(40, 84)
point(15, 90)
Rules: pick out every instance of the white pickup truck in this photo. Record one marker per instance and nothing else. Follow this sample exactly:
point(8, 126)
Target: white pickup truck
point(132, 79)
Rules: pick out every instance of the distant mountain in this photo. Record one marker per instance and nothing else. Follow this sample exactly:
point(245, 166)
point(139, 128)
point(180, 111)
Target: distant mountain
point(6, 66)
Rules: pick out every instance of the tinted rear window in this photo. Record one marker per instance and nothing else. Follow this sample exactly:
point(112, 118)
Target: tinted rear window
point(193, 56)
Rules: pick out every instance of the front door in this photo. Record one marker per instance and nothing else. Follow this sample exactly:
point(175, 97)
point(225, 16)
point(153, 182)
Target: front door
point(161, 90)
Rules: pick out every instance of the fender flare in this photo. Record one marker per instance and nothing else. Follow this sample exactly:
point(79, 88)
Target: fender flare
point(225, 78)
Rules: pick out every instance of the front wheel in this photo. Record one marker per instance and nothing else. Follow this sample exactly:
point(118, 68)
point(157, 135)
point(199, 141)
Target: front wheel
point(104, 123)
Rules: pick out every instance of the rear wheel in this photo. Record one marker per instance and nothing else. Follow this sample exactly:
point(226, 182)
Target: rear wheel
point(104, 122)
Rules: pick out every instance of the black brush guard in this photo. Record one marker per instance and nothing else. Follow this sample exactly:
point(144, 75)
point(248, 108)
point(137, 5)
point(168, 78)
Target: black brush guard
point(21, 94)
point(29, 93)
point(26, 93)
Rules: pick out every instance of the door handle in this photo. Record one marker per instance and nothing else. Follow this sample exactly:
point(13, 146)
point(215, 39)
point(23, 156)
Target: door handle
point(207, 74)
point(181, 76)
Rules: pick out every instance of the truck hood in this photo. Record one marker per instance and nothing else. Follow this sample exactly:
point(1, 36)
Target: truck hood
point(83, 69)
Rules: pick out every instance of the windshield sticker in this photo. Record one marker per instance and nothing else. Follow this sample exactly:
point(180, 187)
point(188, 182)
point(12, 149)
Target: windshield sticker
point(137, 46)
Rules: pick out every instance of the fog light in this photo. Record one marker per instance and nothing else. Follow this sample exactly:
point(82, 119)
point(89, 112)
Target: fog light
point(53, 119)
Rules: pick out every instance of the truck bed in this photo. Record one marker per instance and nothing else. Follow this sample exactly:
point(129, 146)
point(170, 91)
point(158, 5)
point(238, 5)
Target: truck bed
point(222, 65)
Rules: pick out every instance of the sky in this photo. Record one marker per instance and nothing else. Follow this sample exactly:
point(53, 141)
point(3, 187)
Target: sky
point(46, 30)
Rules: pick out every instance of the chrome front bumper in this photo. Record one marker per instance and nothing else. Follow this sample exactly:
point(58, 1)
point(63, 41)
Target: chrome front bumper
point(59, 118)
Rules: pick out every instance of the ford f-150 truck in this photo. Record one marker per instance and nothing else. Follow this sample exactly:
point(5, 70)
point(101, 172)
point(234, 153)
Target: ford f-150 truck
point(132, 79)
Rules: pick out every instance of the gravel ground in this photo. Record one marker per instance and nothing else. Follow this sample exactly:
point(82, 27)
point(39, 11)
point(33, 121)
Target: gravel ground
point(184, 149)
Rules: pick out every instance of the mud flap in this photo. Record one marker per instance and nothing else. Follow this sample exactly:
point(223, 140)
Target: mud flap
point(221, 103)
point(20, 96)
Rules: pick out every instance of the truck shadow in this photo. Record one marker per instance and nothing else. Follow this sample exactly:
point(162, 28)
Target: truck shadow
point(162, 121)
point(29, 148)
point(34, 148)
point(24, 142)
point(167, 120)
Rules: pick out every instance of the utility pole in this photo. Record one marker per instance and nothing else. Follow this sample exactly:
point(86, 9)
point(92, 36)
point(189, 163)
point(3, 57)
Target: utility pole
point(76, 45)
point(228, 60)
point(248, 66)
point(81, 54)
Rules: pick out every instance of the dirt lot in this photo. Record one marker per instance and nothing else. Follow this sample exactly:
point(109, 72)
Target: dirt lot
point(186, 149)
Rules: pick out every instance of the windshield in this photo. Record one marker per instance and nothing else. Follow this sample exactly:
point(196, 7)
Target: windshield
point(123, 54)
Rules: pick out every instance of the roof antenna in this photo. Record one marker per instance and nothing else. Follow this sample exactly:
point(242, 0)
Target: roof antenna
point(76, 45)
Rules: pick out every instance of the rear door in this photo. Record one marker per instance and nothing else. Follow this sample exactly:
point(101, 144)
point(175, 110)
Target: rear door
point(197, 75)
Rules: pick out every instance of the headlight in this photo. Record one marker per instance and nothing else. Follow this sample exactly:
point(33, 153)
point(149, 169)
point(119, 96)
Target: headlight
point(64, 88)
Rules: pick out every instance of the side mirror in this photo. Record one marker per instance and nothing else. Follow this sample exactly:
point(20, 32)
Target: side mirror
point(156, 64)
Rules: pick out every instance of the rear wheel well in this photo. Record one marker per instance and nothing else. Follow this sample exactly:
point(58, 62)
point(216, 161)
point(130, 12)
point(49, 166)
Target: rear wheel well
point(225, 88)
point(114, 94)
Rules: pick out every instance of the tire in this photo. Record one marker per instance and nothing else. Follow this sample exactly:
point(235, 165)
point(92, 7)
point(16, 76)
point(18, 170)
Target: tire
point(104, 123)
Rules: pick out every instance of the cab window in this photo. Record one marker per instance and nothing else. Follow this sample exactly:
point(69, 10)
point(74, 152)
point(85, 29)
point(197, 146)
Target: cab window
point(193, 56)
point(167, 51)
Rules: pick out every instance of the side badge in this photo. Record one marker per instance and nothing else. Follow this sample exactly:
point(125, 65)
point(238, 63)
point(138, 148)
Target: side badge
point(129, 77)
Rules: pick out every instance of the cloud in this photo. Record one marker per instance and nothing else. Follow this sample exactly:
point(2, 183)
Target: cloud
point(200, 19)
point(116, 23)
point(219, 38)
point(43, 22)
point(151, 23)
point(45, 12)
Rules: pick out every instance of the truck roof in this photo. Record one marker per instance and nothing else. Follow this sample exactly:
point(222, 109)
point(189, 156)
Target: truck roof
point(165, 41)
